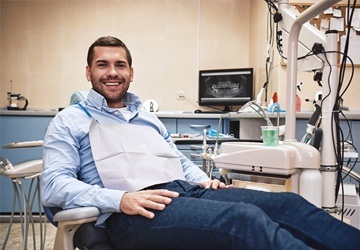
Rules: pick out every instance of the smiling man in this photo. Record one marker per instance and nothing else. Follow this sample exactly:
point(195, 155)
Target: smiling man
point(110, 153)
point(110, 72)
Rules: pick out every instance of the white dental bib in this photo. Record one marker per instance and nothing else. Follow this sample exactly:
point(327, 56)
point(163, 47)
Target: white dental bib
point(131, 157)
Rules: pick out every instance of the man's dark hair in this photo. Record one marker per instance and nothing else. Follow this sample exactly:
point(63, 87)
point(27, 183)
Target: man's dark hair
point(107, 41)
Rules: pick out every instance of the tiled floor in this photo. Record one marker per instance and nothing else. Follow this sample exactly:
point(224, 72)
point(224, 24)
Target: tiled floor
point(15, 240)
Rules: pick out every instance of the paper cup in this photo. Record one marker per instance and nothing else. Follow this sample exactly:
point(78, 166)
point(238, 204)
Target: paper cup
point(270, 135)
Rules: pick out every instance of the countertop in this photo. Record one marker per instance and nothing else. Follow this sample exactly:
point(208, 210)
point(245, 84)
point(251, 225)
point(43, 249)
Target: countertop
point(351, 115)
point(29, 112)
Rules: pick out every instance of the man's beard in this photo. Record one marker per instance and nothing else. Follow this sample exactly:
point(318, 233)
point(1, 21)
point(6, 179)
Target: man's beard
point(115, 99)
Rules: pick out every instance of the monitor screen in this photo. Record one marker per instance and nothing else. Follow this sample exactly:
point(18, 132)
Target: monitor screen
point(225, 87)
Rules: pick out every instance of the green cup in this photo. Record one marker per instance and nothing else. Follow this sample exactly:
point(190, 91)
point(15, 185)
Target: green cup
point(270, 135)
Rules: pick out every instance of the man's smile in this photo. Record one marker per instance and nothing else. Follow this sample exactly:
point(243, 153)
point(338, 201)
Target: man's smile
point(112, 83)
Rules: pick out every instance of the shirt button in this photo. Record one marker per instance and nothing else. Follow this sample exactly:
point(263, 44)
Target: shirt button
point(116, 112)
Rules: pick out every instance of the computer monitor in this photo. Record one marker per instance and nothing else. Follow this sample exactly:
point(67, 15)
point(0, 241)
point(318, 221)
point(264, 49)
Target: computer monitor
point(225, 87)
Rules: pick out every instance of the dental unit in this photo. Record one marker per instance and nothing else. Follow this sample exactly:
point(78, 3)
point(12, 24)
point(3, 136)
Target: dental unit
point(309, 172)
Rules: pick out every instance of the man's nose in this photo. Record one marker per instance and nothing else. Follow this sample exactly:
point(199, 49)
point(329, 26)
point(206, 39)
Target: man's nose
point(112, 71)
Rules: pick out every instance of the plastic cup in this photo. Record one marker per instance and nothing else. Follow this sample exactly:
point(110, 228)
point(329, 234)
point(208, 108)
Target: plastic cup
point(270, 135)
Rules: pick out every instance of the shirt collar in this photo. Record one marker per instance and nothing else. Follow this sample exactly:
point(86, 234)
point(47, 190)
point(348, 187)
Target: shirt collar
point(131, 100)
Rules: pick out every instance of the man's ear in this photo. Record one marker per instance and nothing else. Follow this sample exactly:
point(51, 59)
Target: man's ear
point(88, 73)
point(131, 74)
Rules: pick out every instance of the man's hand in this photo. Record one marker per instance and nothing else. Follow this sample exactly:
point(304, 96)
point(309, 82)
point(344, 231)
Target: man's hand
point(139, 202)
point(215, 184)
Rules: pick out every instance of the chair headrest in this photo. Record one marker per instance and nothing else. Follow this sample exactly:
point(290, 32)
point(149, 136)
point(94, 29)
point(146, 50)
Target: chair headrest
point(78, 96)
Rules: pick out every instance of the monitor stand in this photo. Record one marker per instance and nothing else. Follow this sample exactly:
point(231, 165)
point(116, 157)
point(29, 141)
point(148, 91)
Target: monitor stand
point(226, 109)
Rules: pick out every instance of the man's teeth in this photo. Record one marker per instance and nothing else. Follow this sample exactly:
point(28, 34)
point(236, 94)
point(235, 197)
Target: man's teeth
point(111, 83)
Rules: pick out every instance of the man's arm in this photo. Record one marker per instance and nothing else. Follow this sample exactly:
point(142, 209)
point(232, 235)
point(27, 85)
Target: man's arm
point(69, 177)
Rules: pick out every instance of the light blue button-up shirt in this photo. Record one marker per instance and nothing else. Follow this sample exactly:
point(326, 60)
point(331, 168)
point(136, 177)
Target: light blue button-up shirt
point(70, 178)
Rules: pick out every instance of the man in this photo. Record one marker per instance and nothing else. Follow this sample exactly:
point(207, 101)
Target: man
point(109, 153)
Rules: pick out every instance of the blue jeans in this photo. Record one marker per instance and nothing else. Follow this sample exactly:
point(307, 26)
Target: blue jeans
point(232, 219)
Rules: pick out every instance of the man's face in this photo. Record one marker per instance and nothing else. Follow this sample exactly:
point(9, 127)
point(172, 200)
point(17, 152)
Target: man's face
point(110, 74)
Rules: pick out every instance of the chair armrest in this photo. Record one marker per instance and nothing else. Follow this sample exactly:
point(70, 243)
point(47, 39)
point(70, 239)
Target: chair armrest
point(31, 168)
point(76, 214)
point(24, 144)
point(69, 221)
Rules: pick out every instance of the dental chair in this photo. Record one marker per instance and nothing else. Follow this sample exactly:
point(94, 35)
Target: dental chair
point(76, 227)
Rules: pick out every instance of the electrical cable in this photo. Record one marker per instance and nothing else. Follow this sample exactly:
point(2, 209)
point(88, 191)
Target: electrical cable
point(349, 140)
point(349, 21)
point(351, 168)
point(269, 44)
point(346, 47)
point(339, 135)
point(273, 11)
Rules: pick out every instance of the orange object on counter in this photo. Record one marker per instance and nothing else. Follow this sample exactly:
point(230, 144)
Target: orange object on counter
point(298, 104)
point(275, 97)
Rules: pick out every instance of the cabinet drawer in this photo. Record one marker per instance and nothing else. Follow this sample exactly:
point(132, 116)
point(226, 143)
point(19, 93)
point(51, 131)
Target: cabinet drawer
point(170, 124)
point(184, 125)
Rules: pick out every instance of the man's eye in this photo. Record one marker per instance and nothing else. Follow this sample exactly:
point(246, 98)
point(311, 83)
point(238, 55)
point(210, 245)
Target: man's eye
point(102, 64)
